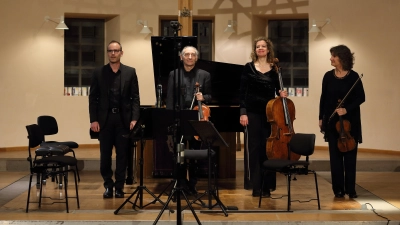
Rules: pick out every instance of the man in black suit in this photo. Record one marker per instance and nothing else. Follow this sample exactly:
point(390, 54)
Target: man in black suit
point(189, 76)
point(114, 107)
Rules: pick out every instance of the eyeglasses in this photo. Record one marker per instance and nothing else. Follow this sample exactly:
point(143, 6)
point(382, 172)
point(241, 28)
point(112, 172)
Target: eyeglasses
point(113, 51)
point(189, 54)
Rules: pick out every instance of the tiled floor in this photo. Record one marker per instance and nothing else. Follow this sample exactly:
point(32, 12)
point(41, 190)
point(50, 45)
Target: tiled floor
point(376, 189)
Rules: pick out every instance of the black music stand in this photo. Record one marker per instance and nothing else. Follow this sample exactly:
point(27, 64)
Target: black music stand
point(166, 118)
point(210, 136)
point(139, 129)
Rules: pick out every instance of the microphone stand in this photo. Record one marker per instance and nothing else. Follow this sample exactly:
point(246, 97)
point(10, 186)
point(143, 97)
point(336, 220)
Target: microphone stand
point(177, 189)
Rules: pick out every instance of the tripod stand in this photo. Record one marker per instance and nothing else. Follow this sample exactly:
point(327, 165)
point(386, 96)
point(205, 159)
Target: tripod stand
point(141, 187)
point(177, 190)
point(210, 136)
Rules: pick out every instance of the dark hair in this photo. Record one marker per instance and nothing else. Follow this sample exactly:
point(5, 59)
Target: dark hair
point(270, 47)
point(346, 57)
point(113, 41)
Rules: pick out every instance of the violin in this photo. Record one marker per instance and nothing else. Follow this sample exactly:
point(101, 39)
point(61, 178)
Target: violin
point(203, 109)
point(345, 141)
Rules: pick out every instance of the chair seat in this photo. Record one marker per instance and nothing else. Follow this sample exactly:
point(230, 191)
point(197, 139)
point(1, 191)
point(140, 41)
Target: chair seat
point(198, 154)
point(70, 144)
point(62, 160)
point(45, 151)
point(279, 164)
point(55, 148)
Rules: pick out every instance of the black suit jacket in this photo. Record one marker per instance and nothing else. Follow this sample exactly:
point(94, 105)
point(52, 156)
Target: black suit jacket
point(99, 91)
point(202, 77)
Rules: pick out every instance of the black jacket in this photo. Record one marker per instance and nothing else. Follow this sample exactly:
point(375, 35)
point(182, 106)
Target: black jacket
point(99, 91)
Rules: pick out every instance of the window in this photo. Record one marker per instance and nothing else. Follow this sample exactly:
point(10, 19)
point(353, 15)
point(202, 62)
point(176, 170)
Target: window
point(290, 39)
point(202, 29)
point(83, 52)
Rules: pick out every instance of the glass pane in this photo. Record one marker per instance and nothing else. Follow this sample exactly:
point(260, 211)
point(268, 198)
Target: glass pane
point(300, 32)
point(300, 77)
point(300, 56)
point(71, 77)
point(92, 55)
point(71, 55)
point(72, 34)
point(284, 55)
point(87, 76)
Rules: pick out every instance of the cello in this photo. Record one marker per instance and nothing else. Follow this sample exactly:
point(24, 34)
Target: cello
point(280, 114)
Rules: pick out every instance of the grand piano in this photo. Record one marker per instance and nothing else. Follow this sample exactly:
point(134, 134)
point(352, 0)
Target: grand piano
point(225, 79)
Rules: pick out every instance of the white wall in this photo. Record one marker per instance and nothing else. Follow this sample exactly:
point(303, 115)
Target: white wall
point(31, 57)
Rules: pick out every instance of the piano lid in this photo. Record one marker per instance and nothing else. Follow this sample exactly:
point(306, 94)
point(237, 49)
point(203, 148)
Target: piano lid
point(225, 77)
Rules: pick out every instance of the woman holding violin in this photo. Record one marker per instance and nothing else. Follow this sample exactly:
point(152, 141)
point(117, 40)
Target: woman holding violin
point(195, 88)
point(340, 119)
point(259, 84)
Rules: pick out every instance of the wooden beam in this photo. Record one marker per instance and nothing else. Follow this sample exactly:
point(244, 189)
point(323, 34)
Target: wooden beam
point(185, 17)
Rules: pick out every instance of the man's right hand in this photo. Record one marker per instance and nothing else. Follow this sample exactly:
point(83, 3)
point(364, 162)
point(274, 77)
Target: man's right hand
point(95, 126)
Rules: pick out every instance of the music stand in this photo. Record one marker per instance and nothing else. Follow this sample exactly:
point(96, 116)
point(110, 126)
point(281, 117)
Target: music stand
point(165, 119)
point(139, 129)
point(210, 136)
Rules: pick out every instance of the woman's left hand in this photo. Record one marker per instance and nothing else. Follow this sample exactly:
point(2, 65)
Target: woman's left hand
point(283, 94)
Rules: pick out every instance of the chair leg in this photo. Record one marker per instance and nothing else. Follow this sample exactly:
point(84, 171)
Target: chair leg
point(66, 188)
point(262, 188)
point(289, 177)
point(77, 171)
point(40, 193)
point(76, 189)
point(29, 193)
point(316, 188)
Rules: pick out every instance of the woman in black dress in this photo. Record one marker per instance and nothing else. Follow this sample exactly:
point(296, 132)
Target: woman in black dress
point(259, 84)
point(335, 85)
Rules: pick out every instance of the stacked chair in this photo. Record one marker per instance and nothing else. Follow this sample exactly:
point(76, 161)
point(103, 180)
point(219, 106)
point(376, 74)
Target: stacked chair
point(50, 163)
point(49, 126)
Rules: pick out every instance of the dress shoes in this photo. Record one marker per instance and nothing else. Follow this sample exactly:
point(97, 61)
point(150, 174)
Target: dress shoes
point(108, 193)
point(193, 191)
point(353, 195)
point(119, 193)
point(339, 194)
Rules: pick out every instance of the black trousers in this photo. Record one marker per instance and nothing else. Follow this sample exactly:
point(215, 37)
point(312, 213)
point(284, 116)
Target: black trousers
point(112, 135)
point(258, 131)
point(343, 166)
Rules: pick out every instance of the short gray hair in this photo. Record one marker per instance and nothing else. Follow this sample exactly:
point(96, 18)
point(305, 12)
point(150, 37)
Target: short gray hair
point(184, 50)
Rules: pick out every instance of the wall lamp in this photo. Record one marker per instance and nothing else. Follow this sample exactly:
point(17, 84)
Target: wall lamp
point(60, 26)
point(315, 28)
point(145, 29)
point(229, 28)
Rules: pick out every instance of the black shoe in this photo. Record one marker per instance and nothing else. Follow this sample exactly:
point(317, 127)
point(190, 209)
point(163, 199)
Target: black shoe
point(108, 193)
point(119, 193)
point(193, 190)
point(353, 195)
point(339, 194)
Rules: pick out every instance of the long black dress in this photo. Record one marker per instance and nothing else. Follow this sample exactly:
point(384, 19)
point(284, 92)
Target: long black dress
point(256, 89)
